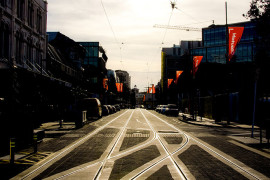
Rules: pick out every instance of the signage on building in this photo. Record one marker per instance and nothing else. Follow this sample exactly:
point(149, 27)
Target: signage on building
point(235, 34)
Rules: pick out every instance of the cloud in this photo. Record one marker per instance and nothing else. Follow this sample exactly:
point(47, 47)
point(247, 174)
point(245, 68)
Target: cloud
point(132, 22)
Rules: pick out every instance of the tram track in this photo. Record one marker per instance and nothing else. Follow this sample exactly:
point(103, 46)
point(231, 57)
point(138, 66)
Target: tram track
point(168, 157)
point(208, 148)
point(108, 156)
point(66, 150)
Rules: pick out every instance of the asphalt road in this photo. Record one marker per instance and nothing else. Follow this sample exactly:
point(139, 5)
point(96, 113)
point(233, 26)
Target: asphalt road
point(142, 144)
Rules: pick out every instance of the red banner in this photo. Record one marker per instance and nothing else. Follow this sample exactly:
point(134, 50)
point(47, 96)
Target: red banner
point(196, 62)
point(121, 87)
point(169, 82)
point(118, 87)
point(149, 90)
point(153, 89)
point(235, 34)
point(178, 73)
point(105, 84)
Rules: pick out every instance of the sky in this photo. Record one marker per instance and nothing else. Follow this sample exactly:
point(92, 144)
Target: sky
point(125, 29)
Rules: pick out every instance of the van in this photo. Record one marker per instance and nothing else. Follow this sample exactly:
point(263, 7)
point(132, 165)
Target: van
point(93, 107)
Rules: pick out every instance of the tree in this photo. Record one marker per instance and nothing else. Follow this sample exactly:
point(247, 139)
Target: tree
point(260, 13)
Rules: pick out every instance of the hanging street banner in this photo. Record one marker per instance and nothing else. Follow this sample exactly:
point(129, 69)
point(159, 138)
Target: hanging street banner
point(105, 84)
point(151, 90)
point(196, 62)
point(178, 73)
point(169, 82)
point(235, 34)
point(119, 87)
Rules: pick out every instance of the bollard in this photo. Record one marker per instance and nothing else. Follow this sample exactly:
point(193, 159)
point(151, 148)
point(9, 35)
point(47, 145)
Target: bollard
point(61, 123)
point(35, 138)
point(12, 151)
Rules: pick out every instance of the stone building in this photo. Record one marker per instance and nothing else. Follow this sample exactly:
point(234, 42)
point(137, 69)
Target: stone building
point(23, 34)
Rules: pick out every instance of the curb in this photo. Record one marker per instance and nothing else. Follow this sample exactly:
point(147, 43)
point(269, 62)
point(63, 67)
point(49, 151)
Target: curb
point(216, 125)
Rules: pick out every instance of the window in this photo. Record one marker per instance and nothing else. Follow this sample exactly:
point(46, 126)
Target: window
point(4, 41)
point(20, 9)
point(18, 49)
point(30, 14)
point(3, 3)
point(29, 50)
point(39, 21)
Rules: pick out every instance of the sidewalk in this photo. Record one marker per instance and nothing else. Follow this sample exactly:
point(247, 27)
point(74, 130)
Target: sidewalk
point(26, 158)
point(211, 123)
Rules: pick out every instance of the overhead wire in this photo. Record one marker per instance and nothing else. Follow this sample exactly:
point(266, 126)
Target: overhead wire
point(116, 40)
point(163, 39)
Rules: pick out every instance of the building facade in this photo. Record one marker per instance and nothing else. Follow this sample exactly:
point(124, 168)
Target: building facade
point(23, 34)
point(214, 44)
point(124, 78)
point(23, 47)
point(174, 59)
point(222, 89)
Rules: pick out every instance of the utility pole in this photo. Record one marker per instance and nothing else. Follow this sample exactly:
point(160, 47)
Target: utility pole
point(227, 44)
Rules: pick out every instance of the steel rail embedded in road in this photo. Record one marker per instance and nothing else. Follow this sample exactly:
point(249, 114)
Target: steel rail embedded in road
point(70, 147)
point(169, 155)
point(112, 149)
point(210, 149)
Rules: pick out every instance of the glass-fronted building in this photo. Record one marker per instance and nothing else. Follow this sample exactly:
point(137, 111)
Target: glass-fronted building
point(214, 44)
point(92, 53)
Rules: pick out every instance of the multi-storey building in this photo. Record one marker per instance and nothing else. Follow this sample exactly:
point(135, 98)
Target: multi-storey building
point(225, 89)
point(124, 78)
point(175, 59)
point(23, 33)
point(214, 44)
point(94, 64)
point(23, 47)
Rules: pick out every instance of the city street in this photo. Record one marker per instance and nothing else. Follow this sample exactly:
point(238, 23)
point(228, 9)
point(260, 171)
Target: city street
point(142, 144)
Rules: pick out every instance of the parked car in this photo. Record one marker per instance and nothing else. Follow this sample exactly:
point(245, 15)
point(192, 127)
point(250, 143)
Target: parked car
point(114, 109)
point(93, 107)
point(163, 108)
point(158, 108)
point(110, 109)
point(171, 110)
point(117, 107)
point(105, 110)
